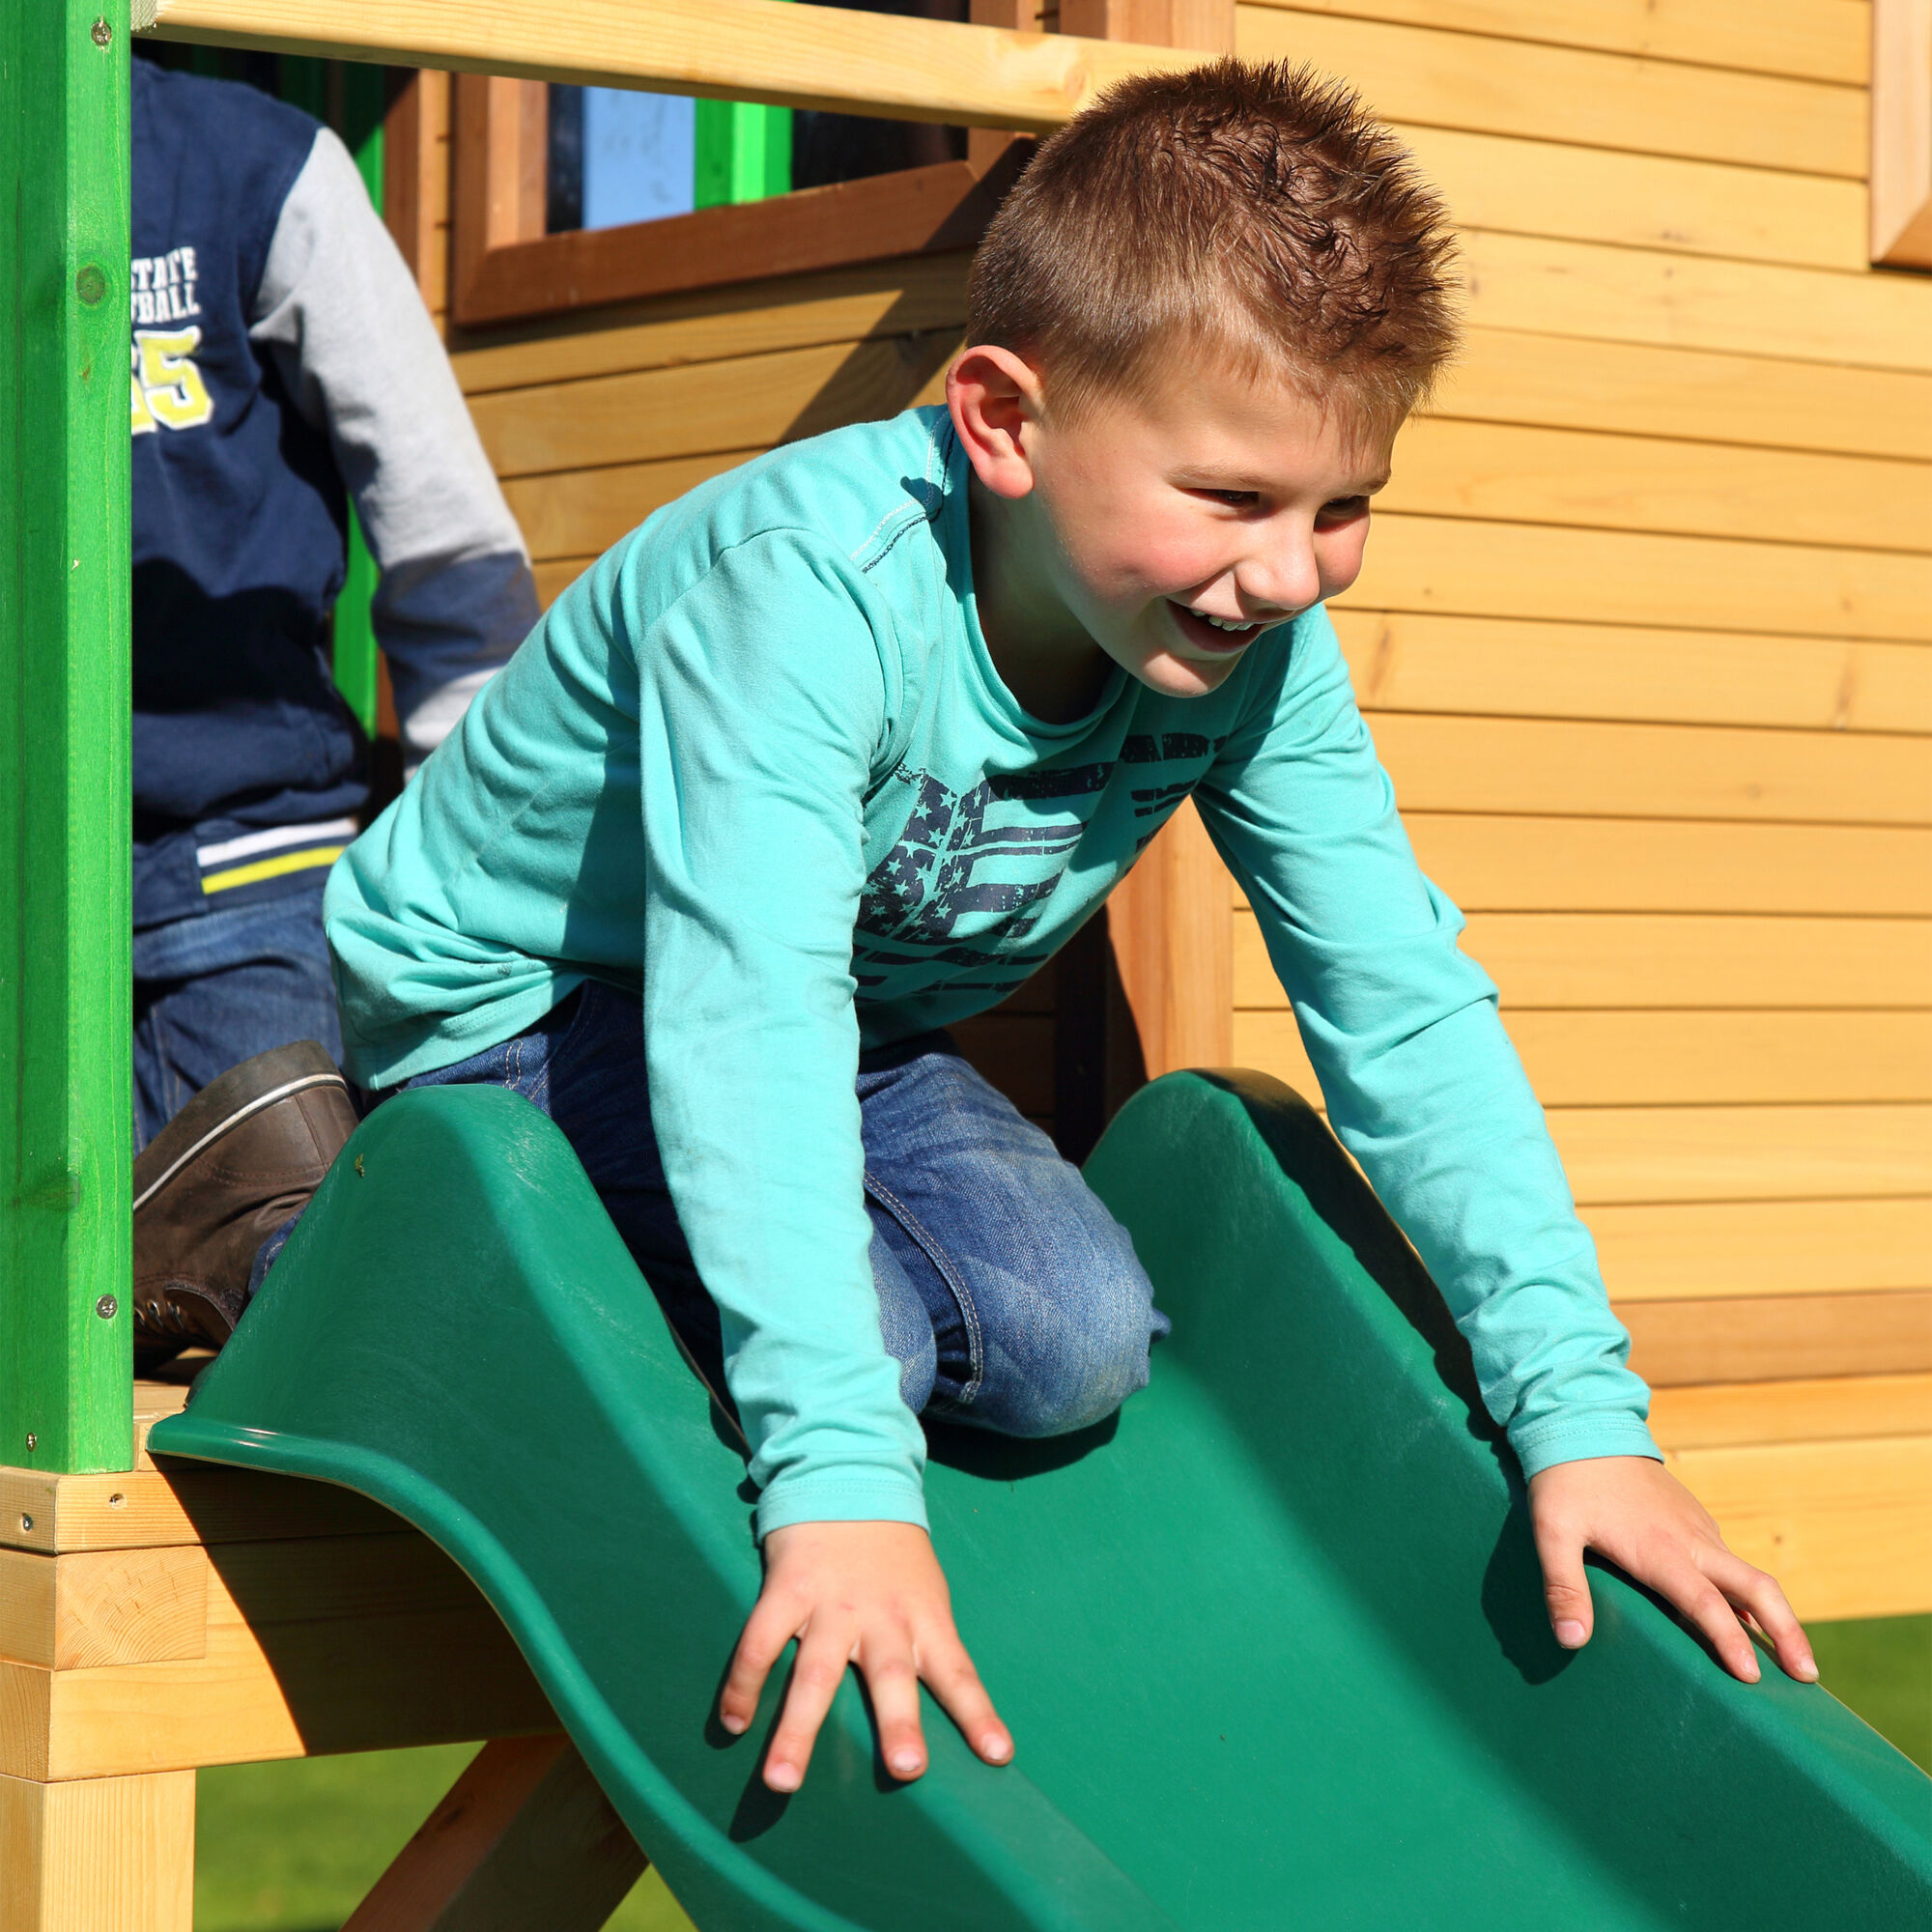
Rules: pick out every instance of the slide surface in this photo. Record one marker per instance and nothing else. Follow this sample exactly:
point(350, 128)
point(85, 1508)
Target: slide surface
point(1271, 1642)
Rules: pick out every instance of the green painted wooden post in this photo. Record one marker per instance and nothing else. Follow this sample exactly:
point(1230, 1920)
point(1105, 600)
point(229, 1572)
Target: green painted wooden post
point(356, 669)
point(741, 153)
point(65, 1380)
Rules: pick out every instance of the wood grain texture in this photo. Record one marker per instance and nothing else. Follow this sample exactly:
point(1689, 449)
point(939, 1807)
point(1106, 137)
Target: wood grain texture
point(1527, 863)
point(1833, 1409)
point(1776, 1337)
point(789, 56)
point(1901, 109)
point(1845, 1527)
point(1467, 567)
point(1673, 1059)
point(362, 1643)
point(1513, 474)
point(1172, 940)
point(1654, 770)
point(1642, 200)
point(103, 1606)
point(1743, 308)
point(1580, 380)
point(1809, 40)
point(1490, 85)
point(718, 325)
point(523, 1838)
point(104, 1854)
point(1654, 1154)
point(1713, 1249)
point(750, 403)
point(556, 577)
point(1665, 959)
point(583, 512)
point(1498, 667)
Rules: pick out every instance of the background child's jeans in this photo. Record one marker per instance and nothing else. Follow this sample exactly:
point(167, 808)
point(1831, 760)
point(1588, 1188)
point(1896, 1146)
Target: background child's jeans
point(214, 990)
point(1010, 1295)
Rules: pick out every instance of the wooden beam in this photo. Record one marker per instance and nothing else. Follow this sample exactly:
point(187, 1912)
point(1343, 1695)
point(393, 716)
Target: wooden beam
point(1901, 133)
point(789, 55)
point(524, 1837)
point(1796, 1337)
point(104, 1854)
point(104, 1607)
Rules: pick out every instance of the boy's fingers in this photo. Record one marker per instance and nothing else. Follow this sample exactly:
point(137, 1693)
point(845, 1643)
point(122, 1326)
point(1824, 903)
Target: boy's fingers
point(1758, 1593)
point(760, 1644)
point(823, 1653)
point(1707, 1607)
point(945, 1667)
point(1566, 1588)
point(893, 1683)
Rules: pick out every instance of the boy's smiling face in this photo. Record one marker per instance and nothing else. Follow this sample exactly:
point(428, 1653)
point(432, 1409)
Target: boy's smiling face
point(1163, 535)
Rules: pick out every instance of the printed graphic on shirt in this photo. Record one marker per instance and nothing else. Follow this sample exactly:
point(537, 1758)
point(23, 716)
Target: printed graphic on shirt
point(168, 390)
point(970, 870)
point(162, 287)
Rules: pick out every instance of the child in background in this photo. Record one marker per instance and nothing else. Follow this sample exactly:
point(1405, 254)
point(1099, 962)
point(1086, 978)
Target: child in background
point(842, 745)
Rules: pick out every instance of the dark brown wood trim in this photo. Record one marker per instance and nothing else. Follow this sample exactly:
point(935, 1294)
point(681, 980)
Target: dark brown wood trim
point(918, 211)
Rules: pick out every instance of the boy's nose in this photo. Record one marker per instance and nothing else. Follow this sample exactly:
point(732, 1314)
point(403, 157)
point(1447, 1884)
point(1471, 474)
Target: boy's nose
point(1277, 583)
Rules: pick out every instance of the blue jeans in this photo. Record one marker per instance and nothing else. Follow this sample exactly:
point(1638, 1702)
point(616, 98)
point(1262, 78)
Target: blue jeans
point(1009, 1297)
point(214, 990)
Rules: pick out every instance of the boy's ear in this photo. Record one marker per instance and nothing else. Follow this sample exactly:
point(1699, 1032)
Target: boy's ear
point(994, 398)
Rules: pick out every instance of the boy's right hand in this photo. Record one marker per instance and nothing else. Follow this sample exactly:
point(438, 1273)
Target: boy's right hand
point(866, 1593)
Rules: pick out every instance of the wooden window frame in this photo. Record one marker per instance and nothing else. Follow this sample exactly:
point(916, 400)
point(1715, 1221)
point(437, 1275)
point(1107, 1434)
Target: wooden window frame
point(1901, 111)
point(506, 269)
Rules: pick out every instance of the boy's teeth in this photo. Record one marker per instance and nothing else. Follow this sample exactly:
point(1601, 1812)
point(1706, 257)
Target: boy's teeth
point(1220, 623)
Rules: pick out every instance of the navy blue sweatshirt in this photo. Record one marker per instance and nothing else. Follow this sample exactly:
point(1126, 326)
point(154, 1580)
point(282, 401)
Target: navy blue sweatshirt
point(280, 352)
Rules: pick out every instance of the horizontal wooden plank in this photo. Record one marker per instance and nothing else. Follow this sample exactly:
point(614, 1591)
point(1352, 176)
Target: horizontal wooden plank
point(1502, 666)
point(556, 576)
point(1846, 1527)
point(922, 291)
point(1490, 85)
point(790, 56)
point(1642, 1154)
point(1606, 865)
point(1641, 200)
point(1513, 474)
point(583, 512)
point(1836, 1408)
point(368, 1644)
point(145, 1509)
point(1667, 959)
point(751, 403)
point(1580, 380)
point(1744, 309)
point(1643, 1059)
point(1467, 567)
point(1654, 770)
point(1706, 1250)
point(103, 1606)
point(1767, 1338)
point(1813, 40)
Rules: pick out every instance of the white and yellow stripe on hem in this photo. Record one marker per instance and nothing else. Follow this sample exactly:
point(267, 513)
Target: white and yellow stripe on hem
point(319, 844)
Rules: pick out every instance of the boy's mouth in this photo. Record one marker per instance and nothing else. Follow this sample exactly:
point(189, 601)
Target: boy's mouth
point(1212, 634)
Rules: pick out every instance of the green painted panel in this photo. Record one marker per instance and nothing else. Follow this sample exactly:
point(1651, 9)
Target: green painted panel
point(64, 698)
point(741, 153)
point(1271, 1641)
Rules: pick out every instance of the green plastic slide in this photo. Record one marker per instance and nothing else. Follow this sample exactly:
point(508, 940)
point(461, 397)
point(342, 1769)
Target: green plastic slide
point(1271, 1642)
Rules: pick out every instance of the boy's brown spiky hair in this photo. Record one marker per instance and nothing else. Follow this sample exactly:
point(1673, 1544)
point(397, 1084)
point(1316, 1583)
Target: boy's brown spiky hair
point(1255, 212)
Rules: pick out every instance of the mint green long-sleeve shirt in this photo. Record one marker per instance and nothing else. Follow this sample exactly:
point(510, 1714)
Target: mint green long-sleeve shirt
point(756, 765)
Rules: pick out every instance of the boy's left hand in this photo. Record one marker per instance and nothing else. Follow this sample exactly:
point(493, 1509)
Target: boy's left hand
point(1634, 1510)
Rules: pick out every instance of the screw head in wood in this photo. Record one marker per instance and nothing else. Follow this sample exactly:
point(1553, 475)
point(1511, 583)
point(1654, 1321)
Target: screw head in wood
point(107, 1308)
point(103, 33)
point(26, 1523)
point(33, 1440)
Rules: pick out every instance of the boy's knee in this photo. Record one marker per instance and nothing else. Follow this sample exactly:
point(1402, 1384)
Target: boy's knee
point(1098, 1353)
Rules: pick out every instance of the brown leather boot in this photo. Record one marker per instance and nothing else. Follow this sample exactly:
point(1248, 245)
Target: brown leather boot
point(242, 1157)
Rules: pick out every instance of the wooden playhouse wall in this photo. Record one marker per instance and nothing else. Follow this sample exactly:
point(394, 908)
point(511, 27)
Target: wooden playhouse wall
point(1645, 639)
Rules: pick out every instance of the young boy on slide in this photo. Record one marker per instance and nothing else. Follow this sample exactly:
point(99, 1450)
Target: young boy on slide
point(839, 748)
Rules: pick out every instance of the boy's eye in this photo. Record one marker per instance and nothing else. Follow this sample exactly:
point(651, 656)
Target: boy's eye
point(1343, 510)
point(1240, 499)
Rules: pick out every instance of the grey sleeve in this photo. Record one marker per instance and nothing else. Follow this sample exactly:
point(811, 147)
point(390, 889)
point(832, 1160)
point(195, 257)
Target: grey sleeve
point(341, 314)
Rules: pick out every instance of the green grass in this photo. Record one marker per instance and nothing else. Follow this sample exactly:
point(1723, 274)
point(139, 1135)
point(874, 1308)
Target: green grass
point(293, 1847)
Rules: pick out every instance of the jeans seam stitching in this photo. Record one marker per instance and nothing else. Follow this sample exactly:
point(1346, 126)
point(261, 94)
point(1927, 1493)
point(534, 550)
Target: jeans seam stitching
point(930, 1248)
